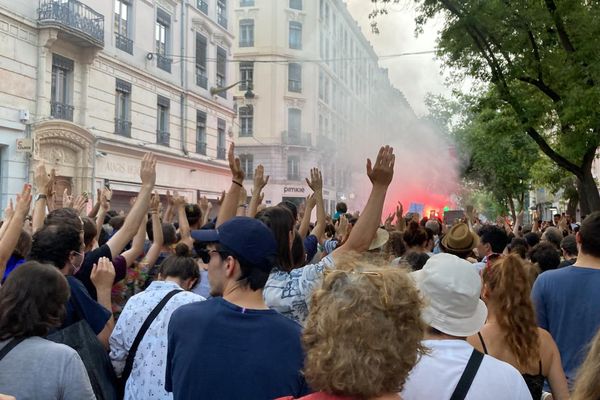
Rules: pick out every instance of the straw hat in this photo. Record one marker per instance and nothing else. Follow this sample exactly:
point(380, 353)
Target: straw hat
point(381, 238)
point(460, 239)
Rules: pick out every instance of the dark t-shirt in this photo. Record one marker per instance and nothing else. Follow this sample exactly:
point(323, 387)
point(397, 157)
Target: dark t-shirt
point(85, 271)
point(218, 350)
point(567, 305)
point(82, 306)
point(310, 247)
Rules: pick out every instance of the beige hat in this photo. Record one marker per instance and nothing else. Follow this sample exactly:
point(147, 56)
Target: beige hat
point(381, 238)
point(460, 239)
point(451, 288)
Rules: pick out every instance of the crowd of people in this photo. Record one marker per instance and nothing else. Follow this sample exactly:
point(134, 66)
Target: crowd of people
point(253, 302)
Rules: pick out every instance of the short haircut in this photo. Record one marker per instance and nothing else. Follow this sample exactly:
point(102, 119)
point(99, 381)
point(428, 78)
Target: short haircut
point(589, 235)
point(53, 244)
point(89, 230)
point(545, 255)
point(494, 236)
point(519, 246)
point(32, 301)
point(117, 222)
point(569, 244)
point(341, 207)
point(64, 216)
point(180, 265)
point(23, 246)
point(193, 214)
point(434, 225)
point(416, 260)
point(252, 276)
point(382, 307)
point(532, 238)
point(553, 235)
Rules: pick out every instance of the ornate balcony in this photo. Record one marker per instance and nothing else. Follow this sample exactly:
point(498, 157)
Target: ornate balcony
point(75, 21)
point(61, 110)
point(124, 43)
point(122, 127)
point(201, 78)
point(295, 138)
point(163, 63)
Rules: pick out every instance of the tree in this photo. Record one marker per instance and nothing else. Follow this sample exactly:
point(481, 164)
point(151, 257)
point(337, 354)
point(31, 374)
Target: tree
point(542, 58)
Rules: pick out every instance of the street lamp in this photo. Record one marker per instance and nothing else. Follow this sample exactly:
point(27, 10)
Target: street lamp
point(248, 95)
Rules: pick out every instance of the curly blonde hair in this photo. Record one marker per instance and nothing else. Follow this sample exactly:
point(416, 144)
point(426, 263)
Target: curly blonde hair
point(586, 384)
point(364, 330)
point(509, 283)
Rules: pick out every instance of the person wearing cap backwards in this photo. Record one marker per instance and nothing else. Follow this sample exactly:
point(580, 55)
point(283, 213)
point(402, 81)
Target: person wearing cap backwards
point(233, 346)
point(454, 369)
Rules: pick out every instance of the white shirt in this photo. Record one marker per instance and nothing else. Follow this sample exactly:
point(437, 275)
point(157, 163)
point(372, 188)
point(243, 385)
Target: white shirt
point(436, 375)
point(290, 292)
point(147, 379)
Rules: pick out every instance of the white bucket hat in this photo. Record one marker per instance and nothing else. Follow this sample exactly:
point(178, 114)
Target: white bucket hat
point(451, 289)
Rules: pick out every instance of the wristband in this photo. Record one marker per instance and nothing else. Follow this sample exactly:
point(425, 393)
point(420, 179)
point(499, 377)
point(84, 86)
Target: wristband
point(237, 183)
point(41, 196)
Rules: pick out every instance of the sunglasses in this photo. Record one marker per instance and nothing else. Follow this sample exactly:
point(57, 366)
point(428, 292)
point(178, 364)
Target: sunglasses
point(204, 254)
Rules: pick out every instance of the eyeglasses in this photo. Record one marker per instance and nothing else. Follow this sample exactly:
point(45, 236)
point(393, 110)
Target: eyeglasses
point(205, 255)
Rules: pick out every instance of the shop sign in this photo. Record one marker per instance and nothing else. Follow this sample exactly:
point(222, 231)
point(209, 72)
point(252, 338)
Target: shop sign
point(24, 145)
point(293, 190)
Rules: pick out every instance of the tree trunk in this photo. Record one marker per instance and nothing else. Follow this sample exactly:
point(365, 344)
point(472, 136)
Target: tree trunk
point(589, 196)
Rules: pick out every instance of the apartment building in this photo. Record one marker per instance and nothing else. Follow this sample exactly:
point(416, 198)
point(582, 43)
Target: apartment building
point(316, 85)
point(97, 83)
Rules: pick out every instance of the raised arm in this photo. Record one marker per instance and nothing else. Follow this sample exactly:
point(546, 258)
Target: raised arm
point(305, 223)
point(380, 174)
point(259, 184)
point(137, 244)
point(242, 206)
point(205, 207)
point(9, 211)
point(400, 221)
point(105, 197)
point(518, 222)
point(44, 184)
point(11, 236)
point(94, 211)
point(316, 184)
point(103, 276)
point(184, 226)
point(157, 233)
point(229, 207)
point(132, 222)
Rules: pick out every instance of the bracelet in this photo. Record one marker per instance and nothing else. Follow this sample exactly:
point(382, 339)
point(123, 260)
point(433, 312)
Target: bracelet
point(41, 196)
point(237, 183)
point(242, 205)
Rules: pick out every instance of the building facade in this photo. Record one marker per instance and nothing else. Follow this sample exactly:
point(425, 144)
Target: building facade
point(316, 88)
point(97, 83)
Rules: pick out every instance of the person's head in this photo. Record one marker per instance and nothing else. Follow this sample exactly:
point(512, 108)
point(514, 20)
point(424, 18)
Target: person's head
point(182, 267)
point(194, 215)
point(291, 207)
point(329, 231)
point(519, 246)
point(89, 233)
point(58, 245)
point(240, 253)
point(545, 256)
point(459, 241)
point(532, 238)
point(415, 260)
point(298, 251)
point(64, 216)
point(553, 235)
point(23, 246)
point(588, 237)
point(117, 222)
point(556, 218)
point(32, 301)
point(341, 207)
point(451, 289)
point(568, 247)
point(586, 383)
point(382, 307)
point(507, 291)
point(415, 236)
point(493, 239)
point(281, 222)
point(169, 234)
point(434, 225)
point(395, 246)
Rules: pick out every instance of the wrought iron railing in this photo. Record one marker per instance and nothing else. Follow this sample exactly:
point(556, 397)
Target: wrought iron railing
point(61, 110)
point(201, 148)
point(163, 62)
point(296, 138)
point(163, 137)
point(293, 176)
point(247, 43)
point(222, 20)
point(124, 43)
point(221, 153)
point(202, 6)
point(201, 78)
point(122, 127)
point(294, 86)
point(74, 16)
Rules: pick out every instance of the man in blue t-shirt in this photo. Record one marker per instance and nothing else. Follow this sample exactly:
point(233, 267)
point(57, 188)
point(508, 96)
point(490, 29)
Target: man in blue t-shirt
point(567, 299)
point(233, 346)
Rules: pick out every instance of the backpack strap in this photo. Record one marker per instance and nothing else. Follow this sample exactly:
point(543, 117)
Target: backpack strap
point(9, 346)
point(142, 332)
point(466, 380)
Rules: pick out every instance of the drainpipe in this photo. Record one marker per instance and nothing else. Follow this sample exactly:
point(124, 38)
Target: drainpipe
point(183, 69)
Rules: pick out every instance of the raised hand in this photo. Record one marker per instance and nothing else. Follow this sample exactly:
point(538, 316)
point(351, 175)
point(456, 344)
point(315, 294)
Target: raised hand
point(67, 199)
point(316, 180)
point(179, 201)
point(203, 204)
point(103, 274)
point(382, 171)
point(221, 198)
point(148, 169)
point(23, 201)
point(259, 178)
point(41, 178)
point(243, 196)
point(80, 203)
point(399, 210)
point(311, 202)
point(154, 203)
point(9, 211)
point(235, 165)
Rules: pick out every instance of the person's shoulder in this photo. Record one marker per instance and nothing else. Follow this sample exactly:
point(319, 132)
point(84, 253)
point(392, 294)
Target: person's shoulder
point(192, 309)
point(76, 285)
point(52, 349)
point(286, 323)
point(500, 368)
point(102, 251)
point(187, 297)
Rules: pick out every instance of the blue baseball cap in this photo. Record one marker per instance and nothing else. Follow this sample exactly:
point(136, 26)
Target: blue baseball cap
point(248, 239)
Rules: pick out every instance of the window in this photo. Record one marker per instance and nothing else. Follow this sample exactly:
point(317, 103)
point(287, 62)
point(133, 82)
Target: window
point(296, 4)
point(221, 151)
point(162, 34)
point(294, 122)
point(295, 35)
point(222, 70)
point(247, 163)
point(202, 6)
point(201, 76)
point(246, 32)
point(122, 26)
point(246, 75)
point(293, 168)
point(162, 120)
point(201, 132)
point(246, 120)
point(123, 108)
point(61, 96)
point(295, 77)
point(222, 13)
point(246, 3)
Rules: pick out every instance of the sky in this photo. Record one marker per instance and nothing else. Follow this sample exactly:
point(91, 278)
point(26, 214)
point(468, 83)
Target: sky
point(414, 75)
